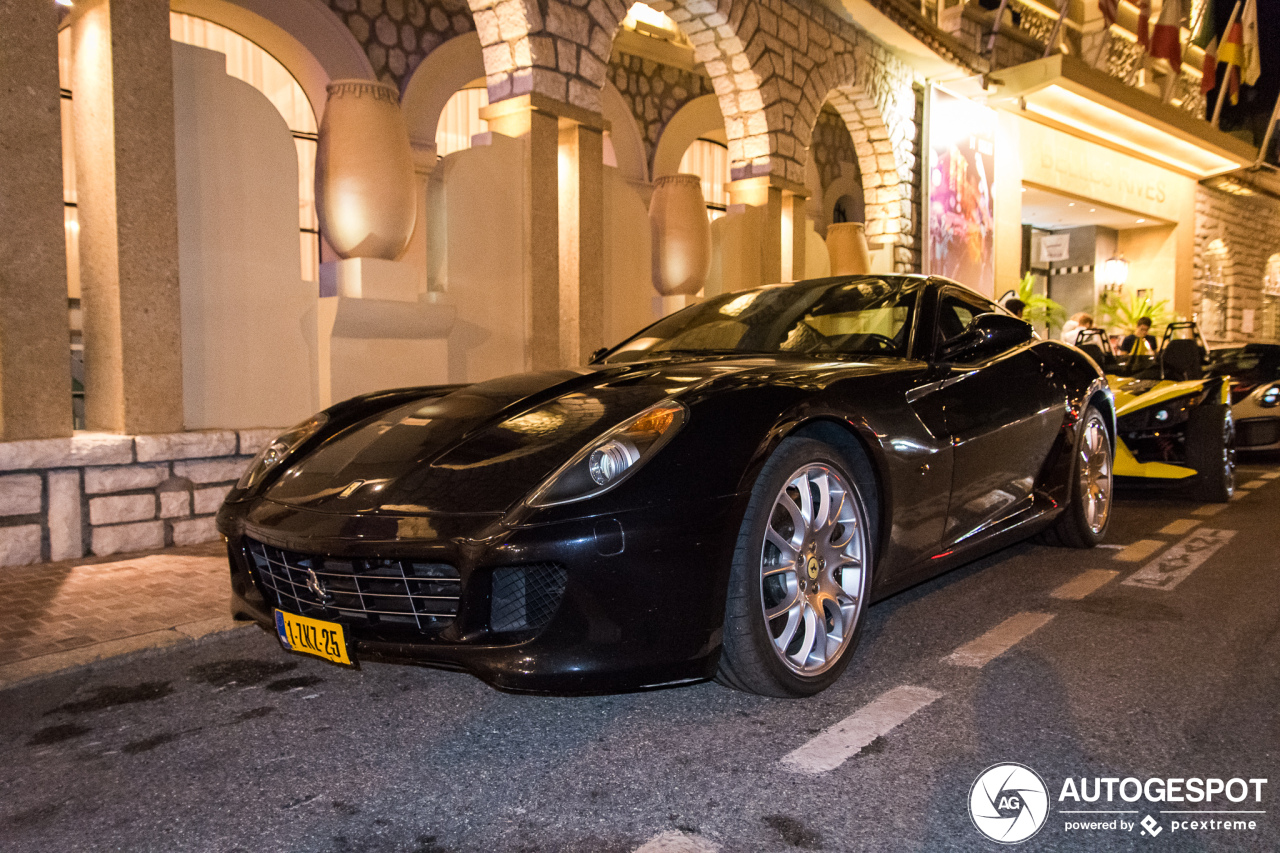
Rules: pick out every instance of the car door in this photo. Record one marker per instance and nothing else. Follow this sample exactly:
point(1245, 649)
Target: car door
point(1001, 414)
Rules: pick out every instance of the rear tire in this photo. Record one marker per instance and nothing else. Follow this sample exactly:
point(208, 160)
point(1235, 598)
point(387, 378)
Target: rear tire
point(1084, 521)
point(801, 574)
point(1211, 452)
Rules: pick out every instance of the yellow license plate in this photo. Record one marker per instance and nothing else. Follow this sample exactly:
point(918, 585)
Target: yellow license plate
point(312, 637)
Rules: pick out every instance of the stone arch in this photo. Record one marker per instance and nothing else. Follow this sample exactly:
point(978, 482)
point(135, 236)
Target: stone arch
point(720, 31)
point(562, 53)
point(446, 69)
point(882, 178)
point(305, 37)
point(696, 118)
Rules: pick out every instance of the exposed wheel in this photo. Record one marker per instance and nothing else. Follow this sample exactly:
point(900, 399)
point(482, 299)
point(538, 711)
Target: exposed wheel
point(1211, 450)
point(1083, 522)
point(801, 574)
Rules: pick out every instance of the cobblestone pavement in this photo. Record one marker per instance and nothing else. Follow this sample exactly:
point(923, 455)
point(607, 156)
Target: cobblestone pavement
point(61, 614)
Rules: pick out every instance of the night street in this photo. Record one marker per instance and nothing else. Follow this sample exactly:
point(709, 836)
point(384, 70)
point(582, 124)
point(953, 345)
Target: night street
point(1139, 659)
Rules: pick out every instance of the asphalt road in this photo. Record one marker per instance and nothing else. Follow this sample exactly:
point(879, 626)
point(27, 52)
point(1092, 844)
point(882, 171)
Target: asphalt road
point(234, 745)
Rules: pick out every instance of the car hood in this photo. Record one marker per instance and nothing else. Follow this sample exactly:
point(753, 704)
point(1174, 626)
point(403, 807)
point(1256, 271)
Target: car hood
point(1134, 394)
point(483, 448)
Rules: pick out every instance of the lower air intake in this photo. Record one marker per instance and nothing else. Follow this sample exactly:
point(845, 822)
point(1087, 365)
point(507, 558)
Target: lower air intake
point(525, 597)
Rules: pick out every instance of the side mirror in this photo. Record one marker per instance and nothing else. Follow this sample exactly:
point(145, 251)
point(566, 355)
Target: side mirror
point(987, 333)
point(591, 359)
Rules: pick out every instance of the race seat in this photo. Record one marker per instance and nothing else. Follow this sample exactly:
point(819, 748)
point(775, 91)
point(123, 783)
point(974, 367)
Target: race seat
point(1181, 360)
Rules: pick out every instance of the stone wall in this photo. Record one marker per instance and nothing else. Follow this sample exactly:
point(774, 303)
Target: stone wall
point(398, 34)
point(1242, 218)
point(655, 92)
point(831, 146)
point(98, 494)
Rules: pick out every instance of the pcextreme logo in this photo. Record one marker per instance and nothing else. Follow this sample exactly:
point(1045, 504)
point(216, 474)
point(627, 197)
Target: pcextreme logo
point(1009, 803)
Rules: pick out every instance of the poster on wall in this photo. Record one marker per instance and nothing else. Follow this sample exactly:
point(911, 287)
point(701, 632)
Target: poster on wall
point(960, 226)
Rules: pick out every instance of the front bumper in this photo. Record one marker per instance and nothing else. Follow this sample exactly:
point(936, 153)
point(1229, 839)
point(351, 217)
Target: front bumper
point(642, 603)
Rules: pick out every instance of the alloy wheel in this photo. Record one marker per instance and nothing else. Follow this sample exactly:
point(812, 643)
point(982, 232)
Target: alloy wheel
point(814, 568)
point(1095, 474)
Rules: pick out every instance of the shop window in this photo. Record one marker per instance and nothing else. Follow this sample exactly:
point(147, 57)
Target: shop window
point(1215, 292)
point(245, 61)
point(1271, 299)
point(709, 160)
point(250, 63)
point(460, 120)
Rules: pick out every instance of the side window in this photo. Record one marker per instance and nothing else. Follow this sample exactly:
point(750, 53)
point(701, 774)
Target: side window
point(956, 311)
point(954, 315)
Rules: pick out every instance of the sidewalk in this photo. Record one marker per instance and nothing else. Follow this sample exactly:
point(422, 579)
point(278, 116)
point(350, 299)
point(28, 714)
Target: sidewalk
point(67, 614)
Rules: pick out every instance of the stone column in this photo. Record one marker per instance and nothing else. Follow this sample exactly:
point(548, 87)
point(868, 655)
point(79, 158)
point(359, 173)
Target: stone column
point(582, 239)
point(122, 84)
point(564, 222)
point(767, 192)
point(424, 163)
point(35, 356)
point(799, 233)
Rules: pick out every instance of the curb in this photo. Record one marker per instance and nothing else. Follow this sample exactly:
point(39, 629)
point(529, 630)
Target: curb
point(53, 664)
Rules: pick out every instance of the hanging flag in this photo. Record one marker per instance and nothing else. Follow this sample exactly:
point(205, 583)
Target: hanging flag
point(1208, 29)
point(1166, 38)
point(1232, 54)
point(1251, 68)
point(1209, 77)
point(1109, 8)
point(1144, 24)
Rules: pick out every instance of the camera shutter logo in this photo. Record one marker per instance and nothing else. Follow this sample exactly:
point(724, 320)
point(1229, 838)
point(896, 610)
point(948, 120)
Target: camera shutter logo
point(1008, 803)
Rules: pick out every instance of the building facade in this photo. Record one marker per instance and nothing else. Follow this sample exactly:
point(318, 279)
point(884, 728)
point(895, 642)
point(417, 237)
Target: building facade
point(175, 289)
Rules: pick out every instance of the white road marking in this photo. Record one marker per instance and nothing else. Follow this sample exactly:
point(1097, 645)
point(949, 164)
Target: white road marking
point(1083, 584)
point(998, 640)
point(1113, 547)
point(1239, 494)
point(1138, 551)
point(1270, 475)
point(1173, 566)
point(675, 841)
point(1254, 484)
point(838, 743)
point(1209, 509)
point(1179, 527)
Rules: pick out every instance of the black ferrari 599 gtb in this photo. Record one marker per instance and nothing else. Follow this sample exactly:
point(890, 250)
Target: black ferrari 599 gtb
point(720, 496)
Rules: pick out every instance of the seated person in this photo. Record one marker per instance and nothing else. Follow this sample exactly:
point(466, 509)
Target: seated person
point(1139, 343)
point(1071, 329)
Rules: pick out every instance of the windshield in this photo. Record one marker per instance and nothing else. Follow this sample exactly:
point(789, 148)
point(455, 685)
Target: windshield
point(868, 316)
point(1253, 363)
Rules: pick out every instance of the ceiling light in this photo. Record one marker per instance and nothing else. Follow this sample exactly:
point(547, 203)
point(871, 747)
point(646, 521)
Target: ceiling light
point(1139, 221)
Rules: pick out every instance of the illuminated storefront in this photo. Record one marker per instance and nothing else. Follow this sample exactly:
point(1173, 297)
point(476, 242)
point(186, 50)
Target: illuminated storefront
point(1105, 172)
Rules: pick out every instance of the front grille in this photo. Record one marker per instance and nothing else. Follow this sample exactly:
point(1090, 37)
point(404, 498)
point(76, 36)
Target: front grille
point(359, 592)
point(1257, 432)
point(525, 597)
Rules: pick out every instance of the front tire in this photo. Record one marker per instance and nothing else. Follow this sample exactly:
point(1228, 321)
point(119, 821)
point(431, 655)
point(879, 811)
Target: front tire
point(1211, 452)
point(801, 574)
point(1084, 520)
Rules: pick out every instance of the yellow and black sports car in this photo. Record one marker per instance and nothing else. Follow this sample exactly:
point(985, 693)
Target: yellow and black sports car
point(1174, 428)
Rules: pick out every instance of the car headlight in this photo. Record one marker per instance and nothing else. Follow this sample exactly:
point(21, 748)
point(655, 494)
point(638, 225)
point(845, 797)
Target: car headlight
point(613, 457)
point(279, 450)
point(1160, 416)
point(1270, 398)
